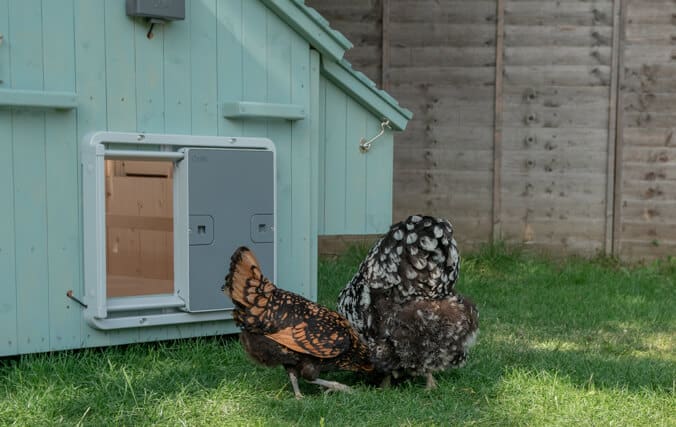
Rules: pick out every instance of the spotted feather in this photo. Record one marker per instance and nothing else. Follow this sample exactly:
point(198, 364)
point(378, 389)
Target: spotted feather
point(402, 300)
point(283, 328)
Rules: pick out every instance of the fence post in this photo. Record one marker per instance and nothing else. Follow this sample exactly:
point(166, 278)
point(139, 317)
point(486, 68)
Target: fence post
point(497, 132)
point(615, 134)
point(385, 45)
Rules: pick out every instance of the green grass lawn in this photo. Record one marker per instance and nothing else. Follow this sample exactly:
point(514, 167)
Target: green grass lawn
point(572, 342)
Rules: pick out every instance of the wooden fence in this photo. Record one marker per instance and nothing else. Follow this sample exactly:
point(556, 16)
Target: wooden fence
point(543, 122)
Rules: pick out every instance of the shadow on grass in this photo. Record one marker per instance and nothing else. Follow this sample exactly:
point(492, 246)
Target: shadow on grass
point(125, 380)
point(582, 368)
point(137, 384)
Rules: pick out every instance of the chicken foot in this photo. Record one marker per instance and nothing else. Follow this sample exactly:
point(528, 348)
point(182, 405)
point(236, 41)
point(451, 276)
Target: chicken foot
point(294, 384)
point(431, 382)
point(331, 385)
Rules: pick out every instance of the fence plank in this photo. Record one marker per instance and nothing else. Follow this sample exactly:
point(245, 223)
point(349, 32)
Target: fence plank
point(500, 54)
point(385, 59)
point(559, 13)
point(558, 36)
point(612, 128)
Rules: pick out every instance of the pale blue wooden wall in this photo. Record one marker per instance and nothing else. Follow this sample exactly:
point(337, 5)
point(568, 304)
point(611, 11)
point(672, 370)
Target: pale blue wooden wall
point(355, 188)
point(176, 82)
point(173, 83)
point(39, 218)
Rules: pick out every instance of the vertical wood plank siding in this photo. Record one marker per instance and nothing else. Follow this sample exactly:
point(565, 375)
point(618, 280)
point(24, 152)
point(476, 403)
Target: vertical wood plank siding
point(8, 312)
point(29, 159)
point(63, 236)
point(203, 63)
point(356, 187)
point(91, 84)
point(174, 82)
point(333, 214)
point(315, 173)
point(150, 102)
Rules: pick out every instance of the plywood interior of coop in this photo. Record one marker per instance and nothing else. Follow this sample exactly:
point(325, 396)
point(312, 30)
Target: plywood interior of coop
point(139, 228)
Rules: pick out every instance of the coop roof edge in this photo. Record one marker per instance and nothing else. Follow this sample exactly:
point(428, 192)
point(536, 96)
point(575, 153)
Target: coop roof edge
point(365, 91)
point(332, 45)
point(311, 26)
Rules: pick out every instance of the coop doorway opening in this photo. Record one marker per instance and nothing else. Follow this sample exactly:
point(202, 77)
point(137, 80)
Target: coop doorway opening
point(139, 227)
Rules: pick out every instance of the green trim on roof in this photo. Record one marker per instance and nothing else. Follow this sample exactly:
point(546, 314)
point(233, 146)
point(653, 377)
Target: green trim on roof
point(312, 26)
point(364, 90)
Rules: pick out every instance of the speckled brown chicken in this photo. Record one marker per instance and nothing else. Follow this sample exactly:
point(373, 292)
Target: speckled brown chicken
point(421, 337)
point(283, 328)
point(403, 303)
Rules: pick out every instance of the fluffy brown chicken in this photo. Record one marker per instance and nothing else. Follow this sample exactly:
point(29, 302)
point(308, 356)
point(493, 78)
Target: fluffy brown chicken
point(403, 303)
point(283, 328)
point(421, 337)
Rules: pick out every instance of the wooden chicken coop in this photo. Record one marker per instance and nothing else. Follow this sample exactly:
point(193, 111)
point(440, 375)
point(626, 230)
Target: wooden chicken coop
point(142, 142)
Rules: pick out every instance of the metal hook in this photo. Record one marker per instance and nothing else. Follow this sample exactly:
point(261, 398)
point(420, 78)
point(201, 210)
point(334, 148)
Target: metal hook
point(69, 294)
point(150, 34)
point(365, 145)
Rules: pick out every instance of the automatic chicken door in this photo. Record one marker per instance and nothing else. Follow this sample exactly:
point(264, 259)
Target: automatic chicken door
point(161, 219)
point(230, 203)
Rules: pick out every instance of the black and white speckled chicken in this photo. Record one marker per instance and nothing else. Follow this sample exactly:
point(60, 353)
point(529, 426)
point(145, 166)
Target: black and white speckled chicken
point(283, 328)
point(403, 304)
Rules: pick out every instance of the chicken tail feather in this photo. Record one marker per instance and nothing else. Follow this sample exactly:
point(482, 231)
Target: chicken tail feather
point(245, 283)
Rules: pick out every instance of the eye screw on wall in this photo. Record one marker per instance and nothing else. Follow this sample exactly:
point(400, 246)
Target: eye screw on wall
point(365, 145)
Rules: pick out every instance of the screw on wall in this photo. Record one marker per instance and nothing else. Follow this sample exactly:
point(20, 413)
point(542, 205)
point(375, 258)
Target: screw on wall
point(69, 294)
point(152, 22)
point(150, 34)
